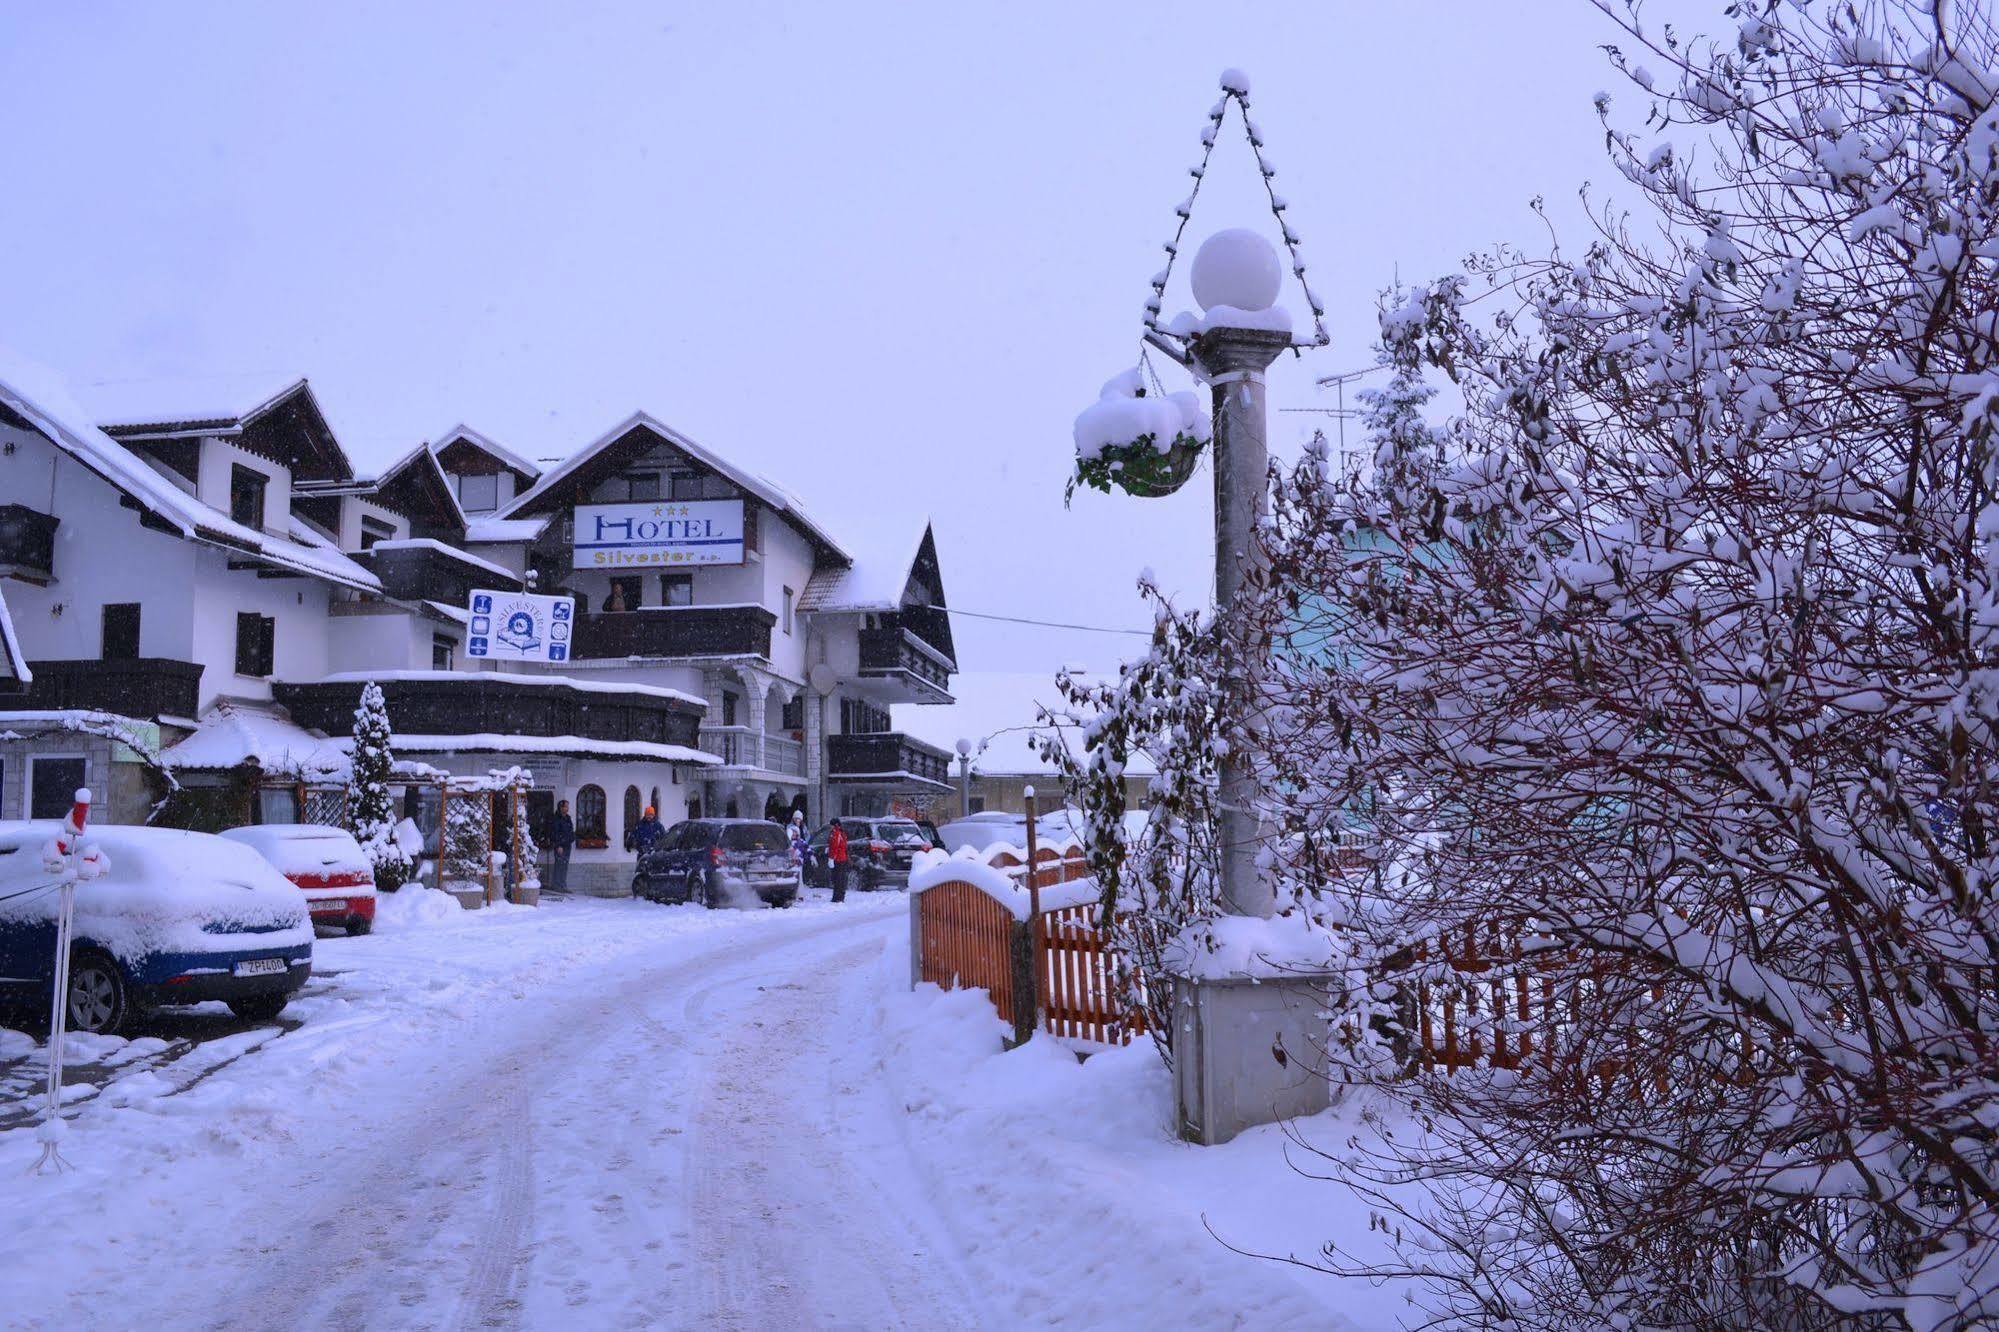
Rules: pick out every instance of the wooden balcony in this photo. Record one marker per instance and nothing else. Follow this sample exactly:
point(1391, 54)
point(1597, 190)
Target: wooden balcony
point(887, 758)
point(431, 571)
point(675, 631)
point(140, 687)
point(27, 542)
point(897, 655)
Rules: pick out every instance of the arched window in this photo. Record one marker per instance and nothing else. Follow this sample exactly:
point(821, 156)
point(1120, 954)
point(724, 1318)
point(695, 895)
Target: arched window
point(631, 811)
point(590, 814)
point(658, 804)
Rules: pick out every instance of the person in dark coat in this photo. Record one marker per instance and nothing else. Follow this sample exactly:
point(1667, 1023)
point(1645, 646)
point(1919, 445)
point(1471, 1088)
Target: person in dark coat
point(647, 834)
point(836, 860)
point(561, 841)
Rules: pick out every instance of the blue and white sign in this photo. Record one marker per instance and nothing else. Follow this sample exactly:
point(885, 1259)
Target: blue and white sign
point(519, 626)
point(659, 532)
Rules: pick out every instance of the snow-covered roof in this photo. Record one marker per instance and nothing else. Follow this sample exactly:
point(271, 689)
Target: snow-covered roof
point(997, 712)
point(878, 576)
point(515, 678)
point(232, 734)
point(571, 746)
point(488, 446)
point(480, 531)
point(13, 665)
point(776, 496)
point(186, 400)
point(40, 397)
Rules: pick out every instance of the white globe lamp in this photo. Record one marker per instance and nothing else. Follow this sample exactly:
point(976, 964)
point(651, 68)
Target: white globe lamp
point(1237, 268)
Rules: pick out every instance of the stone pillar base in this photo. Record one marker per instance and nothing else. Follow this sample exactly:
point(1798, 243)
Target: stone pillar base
point(1227, 1038)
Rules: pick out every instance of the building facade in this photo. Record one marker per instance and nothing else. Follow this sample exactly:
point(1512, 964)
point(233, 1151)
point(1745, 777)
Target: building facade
point(198, 597)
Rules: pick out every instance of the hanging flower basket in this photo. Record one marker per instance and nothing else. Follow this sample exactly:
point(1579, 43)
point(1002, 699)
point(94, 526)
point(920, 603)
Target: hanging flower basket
point(1146, 446)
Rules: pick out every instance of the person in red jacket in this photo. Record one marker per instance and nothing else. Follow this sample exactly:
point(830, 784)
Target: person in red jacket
point(836, 858)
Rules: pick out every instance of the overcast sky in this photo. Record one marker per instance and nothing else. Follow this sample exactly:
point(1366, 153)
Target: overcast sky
point(881, 253)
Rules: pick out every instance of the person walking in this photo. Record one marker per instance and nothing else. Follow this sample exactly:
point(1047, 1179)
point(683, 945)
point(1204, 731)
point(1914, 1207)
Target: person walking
point(648, 833)
point(800, 841)
point(561, 840)
point(836, 857)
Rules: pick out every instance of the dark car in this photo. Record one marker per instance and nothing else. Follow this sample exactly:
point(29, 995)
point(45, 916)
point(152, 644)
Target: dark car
point(878, 853)
point(719, 862)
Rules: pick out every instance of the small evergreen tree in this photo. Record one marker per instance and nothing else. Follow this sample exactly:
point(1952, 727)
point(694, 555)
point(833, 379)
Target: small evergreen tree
point(370, 809)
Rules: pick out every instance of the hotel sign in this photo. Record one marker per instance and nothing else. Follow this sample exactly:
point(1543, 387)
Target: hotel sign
point(658, 532)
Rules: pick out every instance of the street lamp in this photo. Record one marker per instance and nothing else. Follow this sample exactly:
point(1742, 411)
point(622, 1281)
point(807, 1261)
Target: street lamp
point(964, 777)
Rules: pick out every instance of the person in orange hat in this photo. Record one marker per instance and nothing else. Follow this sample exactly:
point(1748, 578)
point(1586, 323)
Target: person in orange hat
point(648, 833)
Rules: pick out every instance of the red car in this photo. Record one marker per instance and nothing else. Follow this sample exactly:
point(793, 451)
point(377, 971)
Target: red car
point(328, 866)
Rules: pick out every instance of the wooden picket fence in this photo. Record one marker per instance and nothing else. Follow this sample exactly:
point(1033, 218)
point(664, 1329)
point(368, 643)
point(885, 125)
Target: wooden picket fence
point(1054, 972)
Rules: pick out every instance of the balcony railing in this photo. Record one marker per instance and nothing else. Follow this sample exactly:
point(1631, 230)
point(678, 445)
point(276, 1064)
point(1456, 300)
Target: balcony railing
point(675, 631)
point(743, 747)
point(27, 541)
point(887, 758)
point(147, 687)
point(895, 653)
point(421, 571)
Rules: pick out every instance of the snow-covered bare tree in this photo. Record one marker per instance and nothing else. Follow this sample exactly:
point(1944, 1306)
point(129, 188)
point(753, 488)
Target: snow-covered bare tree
point(1672, 702)
point(370, 804)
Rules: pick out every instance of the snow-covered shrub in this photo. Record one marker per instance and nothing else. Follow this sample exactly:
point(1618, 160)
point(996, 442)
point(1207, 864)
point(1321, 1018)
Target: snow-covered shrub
point(371, 815)
point(1679, 674)
point(468, 833)
point(1145, 444)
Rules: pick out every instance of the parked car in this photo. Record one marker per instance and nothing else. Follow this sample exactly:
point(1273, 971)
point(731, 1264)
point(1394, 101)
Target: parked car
point(328, 866)
point(878, 853)
point(180, 917)
point(999, 827)
point(719, 862)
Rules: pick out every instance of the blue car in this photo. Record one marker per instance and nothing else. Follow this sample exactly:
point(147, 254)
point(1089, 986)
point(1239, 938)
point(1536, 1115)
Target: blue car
point(180, 917)
point(719, 862)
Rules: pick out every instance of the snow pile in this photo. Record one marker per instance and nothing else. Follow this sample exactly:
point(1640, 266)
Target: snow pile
point(1123, 417)
point(1289, 943)
point(1143, 1215)
point(416, 907)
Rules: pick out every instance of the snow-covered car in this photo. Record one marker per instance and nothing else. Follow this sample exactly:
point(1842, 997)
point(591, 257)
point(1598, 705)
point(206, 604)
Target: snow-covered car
point(180, 917)
point(328, 866)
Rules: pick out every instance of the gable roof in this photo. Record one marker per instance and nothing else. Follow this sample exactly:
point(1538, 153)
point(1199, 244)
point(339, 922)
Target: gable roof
point(13, 666)
point(600, 456)
point(53, 414)
point(492, 448)
point(874, 581)
point(288, 423)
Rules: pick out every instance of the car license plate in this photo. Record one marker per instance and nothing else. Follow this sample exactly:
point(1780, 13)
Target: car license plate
point(329, 904)
point(260, 966)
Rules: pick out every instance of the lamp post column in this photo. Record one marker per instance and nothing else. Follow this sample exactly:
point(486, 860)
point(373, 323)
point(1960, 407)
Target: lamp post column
point(1233, 360)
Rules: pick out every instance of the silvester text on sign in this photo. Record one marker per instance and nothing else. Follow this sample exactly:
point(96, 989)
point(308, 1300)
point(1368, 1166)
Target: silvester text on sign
point(519, 626)
point(672, 532)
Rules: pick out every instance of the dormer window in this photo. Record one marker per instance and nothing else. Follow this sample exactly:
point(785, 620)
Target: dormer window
point(246, 496)
point(684, 486)
point(479, 492)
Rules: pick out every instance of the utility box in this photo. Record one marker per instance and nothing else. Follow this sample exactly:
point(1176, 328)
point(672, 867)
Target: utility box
point(1248, 1051)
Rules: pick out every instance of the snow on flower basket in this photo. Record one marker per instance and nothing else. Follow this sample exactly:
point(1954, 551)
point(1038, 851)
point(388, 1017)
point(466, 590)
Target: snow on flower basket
point(1145, 445)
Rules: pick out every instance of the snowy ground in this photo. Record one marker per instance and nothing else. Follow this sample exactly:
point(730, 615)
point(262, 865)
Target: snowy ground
point(614, 1114)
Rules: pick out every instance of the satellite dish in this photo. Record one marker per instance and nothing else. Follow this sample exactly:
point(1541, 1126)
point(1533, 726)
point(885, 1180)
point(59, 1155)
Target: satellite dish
point(823, 679)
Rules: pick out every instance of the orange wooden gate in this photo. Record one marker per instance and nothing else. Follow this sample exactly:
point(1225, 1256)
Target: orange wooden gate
point(966, 940)
point(1079, 990)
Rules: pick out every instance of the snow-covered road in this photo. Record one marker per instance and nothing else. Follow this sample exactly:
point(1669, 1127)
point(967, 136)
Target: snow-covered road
point(606, 1115)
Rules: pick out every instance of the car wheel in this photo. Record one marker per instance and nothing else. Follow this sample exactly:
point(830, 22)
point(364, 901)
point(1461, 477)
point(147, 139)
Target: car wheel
point(99, 1000)
point(259, 1007)
point(697, 888)
point(360, 926)
point(638, 888)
